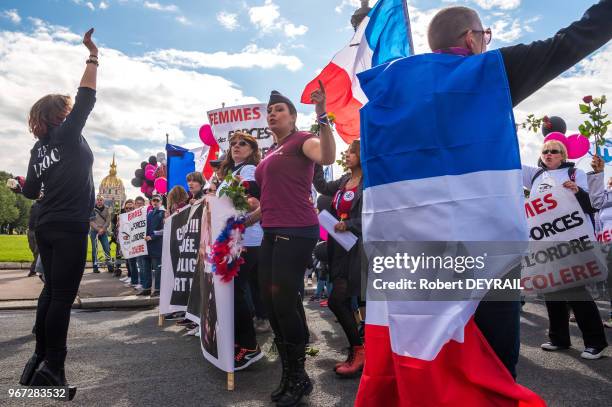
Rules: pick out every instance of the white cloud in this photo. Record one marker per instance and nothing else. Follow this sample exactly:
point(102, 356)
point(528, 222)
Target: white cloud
point(251, 56)
point(501, 4)
point(561, 97)
point(160, 7)
point(138, 101)
point(228, 20)
point(419, 21)
point(506, 30)
point(90, 6)
point(351, 4)
point(12, 15)
point(183, 20)
point(267, 19)
point(103, 5)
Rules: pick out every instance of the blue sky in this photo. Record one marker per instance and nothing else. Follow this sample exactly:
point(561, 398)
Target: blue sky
point(164, 63)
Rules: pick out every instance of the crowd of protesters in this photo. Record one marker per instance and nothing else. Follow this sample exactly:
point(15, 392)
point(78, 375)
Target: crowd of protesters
point(283, 238)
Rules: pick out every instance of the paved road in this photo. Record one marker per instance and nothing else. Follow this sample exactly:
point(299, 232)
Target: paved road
point(121, 358)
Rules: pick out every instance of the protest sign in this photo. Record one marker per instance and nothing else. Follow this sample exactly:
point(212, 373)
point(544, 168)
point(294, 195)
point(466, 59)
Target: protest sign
point(562, 252)
point(132, 231)
point(250, 119)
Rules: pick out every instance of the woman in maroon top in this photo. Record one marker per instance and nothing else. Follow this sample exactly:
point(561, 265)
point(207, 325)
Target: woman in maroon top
point(291, 230)
point(345, 266)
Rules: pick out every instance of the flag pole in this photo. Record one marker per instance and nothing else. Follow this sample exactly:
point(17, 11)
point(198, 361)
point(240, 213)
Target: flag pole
point(408, 26)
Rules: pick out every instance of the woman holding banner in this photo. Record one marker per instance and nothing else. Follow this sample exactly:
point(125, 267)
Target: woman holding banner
point(553, 170)
point(61, 153)
point(291, 230)
point(345, 266)
point(241, 161)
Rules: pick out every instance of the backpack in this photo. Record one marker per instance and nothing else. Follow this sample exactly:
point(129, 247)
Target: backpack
point(571, 173)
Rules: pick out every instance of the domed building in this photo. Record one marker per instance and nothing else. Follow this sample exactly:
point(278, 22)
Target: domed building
point(111, 188)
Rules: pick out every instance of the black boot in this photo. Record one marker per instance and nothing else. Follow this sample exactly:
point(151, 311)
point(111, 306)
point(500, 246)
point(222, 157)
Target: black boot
point(299, 383)
point(30, 368)
point(282, 386)
point(46, 376)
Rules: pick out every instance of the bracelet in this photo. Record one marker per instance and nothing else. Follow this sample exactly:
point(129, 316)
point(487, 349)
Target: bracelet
point(92, 61)
point(93, 56)
point(324, 121)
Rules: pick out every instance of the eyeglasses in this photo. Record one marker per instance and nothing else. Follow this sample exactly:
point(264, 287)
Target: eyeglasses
point(544, 152)
point(241, 143)
point(487, 34)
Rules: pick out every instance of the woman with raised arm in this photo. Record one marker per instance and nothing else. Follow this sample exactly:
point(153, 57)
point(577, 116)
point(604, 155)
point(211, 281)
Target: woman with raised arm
point(291, 230)
point(61, 160)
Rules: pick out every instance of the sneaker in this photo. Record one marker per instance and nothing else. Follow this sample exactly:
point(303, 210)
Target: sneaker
point(125, 279)
point(190, 326)
point(592, 353)
point(194, 331)
point(183, 322)
point(608, 323)
point(314, 298)
point(262, 326)
point(146, 291)
point(174, 316)
point(31, 273)
point(323, 303)
point(246, 357)
point(551, 347)
point(95, 270)
point(137, 287)
point(155, 294)
point(572, 318)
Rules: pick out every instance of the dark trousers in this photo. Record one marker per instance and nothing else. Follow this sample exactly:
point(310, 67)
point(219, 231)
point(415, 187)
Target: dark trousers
point(282, 262)
point(33, 248)
point(587, 318)
point(500, 324)
point(63, 247)
point(340, 303)
point(243, 316)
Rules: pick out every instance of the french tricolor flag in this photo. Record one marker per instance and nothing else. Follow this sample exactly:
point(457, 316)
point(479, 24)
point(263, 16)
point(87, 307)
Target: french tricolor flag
point(383, 35)
point(440, 162)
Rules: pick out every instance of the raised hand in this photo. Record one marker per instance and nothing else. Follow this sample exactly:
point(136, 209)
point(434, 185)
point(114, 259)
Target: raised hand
point(597, 164)
point(319, 98)
point(88, 42)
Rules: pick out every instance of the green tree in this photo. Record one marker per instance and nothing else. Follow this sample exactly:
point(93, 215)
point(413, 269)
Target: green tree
point(14, 208)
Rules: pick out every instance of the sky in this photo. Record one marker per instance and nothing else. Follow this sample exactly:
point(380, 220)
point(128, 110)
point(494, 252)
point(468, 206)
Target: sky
point(164, 63)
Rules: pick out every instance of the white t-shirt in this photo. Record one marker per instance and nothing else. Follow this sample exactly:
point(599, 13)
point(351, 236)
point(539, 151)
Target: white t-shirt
point(551, 178)
point(254, 233)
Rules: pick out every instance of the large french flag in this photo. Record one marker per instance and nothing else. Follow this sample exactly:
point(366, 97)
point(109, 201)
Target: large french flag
point(383, 35)
point(441, 162)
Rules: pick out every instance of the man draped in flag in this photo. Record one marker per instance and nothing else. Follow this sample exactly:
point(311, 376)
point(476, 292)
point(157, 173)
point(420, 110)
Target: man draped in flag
point(382, 36)
point(441, 162)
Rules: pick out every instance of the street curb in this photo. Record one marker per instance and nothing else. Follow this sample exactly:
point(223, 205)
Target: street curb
point(130, 301)
point(25, 265)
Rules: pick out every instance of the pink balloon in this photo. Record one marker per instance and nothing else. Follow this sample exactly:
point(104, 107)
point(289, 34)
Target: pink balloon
point(143, 188)
point(206, 135)
point(577, 146)
point(555, 135)
point(161, 185)
point(149, 171)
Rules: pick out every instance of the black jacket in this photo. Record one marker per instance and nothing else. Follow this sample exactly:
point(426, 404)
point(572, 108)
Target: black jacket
point(355, 261)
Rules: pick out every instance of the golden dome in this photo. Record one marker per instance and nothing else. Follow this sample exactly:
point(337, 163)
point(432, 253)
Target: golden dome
point(111, 180)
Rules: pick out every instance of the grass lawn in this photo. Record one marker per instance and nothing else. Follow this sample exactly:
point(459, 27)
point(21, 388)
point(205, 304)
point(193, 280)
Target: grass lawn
point(14, 248)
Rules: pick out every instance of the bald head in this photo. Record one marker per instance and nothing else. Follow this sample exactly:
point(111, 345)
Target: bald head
point(449, 24)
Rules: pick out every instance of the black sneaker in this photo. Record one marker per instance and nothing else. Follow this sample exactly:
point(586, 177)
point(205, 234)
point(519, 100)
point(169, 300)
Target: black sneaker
point(246, 357)
point(174, 316)
point(551, 347)
point(592, 353)
point(155, 294)
point(183, 322)
point(95, 270)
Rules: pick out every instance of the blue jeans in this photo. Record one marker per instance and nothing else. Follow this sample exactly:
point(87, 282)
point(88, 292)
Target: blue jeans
point(150, 265)
point(93, 235)
point(133, 267)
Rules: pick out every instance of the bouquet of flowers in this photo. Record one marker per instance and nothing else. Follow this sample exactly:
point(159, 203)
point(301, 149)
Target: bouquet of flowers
point(596, 125)
point(235, 189)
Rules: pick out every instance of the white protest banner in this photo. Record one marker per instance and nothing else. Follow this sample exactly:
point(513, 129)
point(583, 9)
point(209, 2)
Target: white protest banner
point(132, 231)
point(250, 119)
point(217, 297)
point(562, 252)
point(179, 258)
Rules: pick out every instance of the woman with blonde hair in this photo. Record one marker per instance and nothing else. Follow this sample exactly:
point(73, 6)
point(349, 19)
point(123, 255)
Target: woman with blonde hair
point(554, 170)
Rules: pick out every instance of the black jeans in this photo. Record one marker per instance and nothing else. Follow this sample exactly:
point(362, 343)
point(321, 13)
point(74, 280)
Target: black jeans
point(63, 247)
point(340, 303)
point(243, 317)
point(587, 318)
point(500, 324)
point(282, 262)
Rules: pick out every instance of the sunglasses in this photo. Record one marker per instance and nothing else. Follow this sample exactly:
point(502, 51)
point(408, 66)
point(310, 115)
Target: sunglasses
point(544, 152)
point(241, 143)
point(487, 34)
